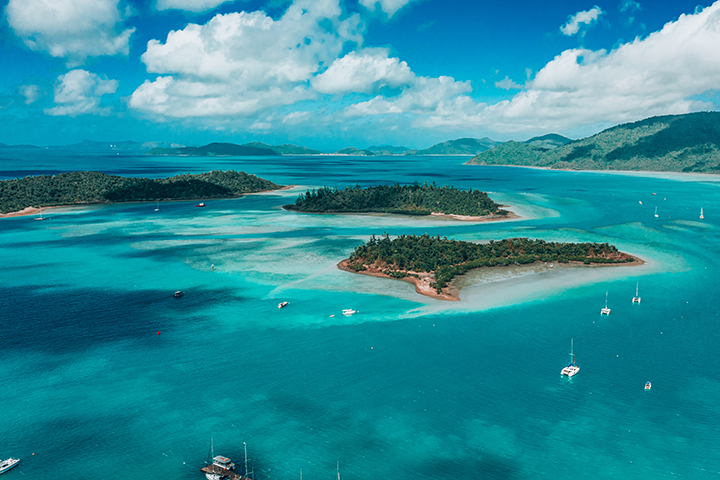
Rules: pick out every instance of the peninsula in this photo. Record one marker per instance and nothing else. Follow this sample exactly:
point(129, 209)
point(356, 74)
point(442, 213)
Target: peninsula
point(415, 199)
point(77, 188)
point(431, 263)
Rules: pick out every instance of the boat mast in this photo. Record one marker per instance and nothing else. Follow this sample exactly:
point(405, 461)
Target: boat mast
point(338, 470)
point(246, 469)
point(210, 453)
point(606, 298)
point(637, 285)
point(572, 352)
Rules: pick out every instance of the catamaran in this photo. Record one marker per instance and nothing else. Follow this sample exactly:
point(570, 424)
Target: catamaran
point(6, 465)
point(636, 298)
point(606, 310)
point(571, 369)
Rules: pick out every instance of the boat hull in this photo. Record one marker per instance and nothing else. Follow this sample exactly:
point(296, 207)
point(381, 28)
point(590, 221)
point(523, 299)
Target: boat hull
point(8, 464)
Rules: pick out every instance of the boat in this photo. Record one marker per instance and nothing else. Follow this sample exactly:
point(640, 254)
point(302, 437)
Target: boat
point(656, 215)
point(701, 214)
point(178, 294)
point(222, 468)
point(571, 369)
point(6, 465)
point(348, 311)
point(636, 298)
point(157, 207)
point(648, 386)
point(338, 470)
point(282, 304)
point(201, 204)
point(40, 218)
point(606, 310)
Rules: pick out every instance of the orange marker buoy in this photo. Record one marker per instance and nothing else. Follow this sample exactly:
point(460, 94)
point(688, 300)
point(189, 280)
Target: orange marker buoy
point(158, 333)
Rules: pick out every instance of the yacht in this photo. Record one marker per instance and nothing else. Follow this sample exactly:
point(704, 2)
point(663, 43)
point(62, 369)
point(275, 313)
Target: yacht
point(606, 310)
point(6, 465)
point(571, 369)
point(222, 468)
point(636, 298)
point(701, 214)
point(201, 204)
point(282, 304)
point(656, 214)
point(178, 294)
point(648, 386)
point(348, 311)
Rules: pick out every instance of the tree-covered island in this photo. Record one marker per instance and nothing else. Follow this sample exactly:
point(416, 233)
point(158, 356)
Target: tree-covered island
point(74, 188)
point(415, 199)
point(431, 263)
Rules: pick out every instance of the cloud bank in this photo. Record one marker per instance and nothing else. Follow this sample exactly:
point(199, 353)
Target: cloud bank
point(79, 92)
point(586, 18)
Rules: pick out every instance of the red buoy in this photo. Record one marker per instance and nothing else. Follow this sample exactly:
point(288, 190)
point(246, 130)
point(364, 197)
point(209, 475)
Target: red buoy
point(158, 333)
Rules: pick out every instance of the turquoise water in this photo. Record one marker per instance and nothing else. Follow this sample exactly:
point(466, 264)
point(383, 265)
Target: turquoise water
point(409, 387)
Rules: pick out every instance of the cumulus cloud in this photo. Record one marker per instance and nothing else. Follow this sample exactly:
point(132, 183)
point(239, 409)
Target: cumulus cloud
point(189, 5)
point(390, 7)
point(587, 17)
point(30, 92)
point(241, 63)
point(653, 76)
point(364, 72)
point(507, 84)
point(71, 29)
point(79, 92)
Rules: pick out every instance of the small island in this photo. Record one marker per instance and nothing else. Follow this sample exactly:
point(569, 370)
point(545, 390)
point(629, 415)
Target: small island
point(415, 199)
point(29, 194)
point(431, 263)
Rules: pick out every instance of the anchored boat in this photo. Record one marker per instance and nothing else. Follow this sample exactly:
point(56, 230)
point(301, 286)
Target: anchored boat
point(571, 369)
point(6, 465)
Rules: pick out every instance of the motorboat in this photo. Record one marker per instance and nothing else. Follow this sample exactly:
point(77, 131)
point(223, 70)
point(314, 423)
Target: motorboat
point(348, 311)
point(201, 204)
point(636, 298)
point(178, 294)
point(282, 304)
point(648, 386)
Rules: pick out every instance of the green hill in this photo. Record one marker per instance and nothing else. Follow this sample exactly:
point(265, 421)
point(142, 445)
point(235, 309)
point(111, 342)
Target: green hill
point(354, 151)
point(671, 143)
point(286, 149)
point(461, 146)
point(92, 187)
point(215, 150)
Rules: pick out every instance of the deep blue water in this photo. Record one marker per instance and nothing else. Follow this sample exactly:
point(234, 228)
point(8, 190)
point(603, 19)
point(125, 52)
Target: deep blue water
point(409, 387)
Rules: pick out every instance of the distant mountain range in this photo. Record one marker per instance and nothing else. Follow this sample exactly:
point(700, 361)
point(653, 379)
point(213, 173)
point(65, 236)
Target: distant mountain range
point(670, 143)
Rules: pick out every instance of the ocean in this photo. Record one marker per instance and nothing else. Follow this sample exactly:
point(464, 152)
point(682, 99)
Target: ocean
point(106, 375)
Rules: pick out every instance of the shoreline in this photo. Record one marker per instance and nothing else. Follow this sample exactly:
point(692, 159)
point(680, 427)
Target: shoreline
point(433, 215)
point(452, 291)
point(36, 210)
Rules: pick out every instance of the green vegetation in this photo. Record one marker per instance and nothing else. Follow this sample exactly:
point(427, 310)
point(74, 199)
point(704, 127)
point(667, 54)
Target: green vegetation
point(413, 199)
point(461, 146)
point(93, 187)
point(215, 150)
point(671, 143)
point(448, 258)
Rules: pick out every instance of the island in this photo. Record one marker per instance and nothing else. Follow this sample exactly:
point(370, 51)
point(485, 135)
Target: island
point(29, 194)
point(688, 143)
point(431, 263)
point(415, 199)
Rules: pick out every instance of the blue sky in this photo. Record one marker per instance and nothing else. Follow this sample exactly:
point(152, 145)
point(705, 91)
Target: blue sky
point(335, 73)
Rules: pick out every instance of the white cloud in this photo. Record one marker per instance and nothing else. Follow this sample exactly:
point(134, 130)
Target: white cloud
point(241, 63)
point(586, 17)
point(366, 71)
point(71, 29)
point(79, 92)
point(189, 5)
point(653, 76)
point(30, 92)
point(507, 84)
point(390, 7)
point(629, 5)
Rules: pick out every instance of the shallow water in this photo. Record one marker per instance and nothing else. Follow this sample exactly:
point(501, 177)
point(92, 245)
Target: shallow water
point(409, 387)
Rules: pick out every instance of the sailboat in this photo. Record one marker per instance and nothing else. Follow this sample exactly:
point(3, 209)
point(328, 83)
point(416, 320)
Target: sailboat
point(157, 207)
point(701, 214)
point(40, 218)
point(606, 310)
point(571, 369)
point(656, 215)
point(636, 298)
point(221, 468)
point(338, 470)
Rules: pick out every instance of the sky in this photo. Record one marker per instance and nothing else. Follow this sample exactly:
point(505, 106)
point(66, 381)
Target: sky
point(329, 74)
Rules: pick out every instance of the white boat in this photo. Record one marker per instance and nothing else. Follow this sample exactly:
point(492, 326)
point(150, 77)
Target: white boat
point(606, 310)
point(636, 298)
point(201, 204)
point(157, 207)
point(6, 465)
point(571, 369)
point(648, 386)
point(40, 218)
point(701, 214)
point(348, 311)
point(656, 215)
point(282, 304)
point(222, 468)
